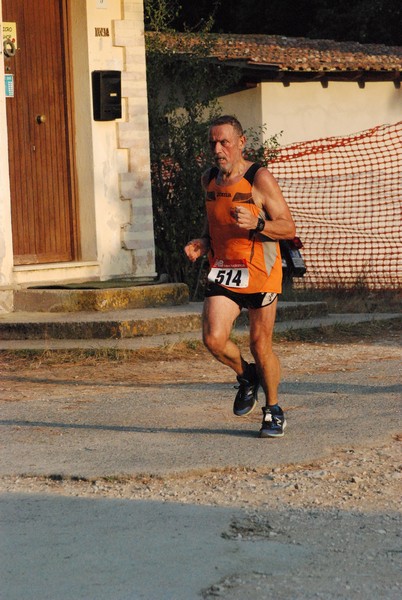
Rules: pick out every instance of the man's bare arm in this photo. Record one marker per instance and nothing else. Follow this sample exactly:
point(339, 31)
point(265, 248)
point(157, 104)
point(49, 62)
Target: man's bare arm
point(268, 195)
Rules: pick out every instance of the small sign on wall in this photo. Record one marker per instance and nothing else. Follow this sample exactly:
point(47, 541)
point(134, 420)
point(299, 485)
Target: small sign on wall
point(101, 3)
point(102, 32)
point(9, 85)
point(10, 32)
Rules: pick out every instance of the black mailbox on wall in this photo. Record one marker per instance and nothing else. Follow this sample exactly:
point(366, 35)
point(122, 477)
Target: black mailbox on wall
point(106, 95)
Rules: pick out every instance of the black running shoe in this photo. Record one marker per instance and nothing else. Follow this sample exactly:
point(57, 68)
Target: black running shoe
point(273, 423)
point(246, 397)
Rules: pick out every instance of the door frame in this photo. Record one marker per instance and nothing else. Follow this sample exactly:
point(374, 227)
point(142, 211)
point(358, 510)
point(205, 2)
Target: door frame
point(70, 120)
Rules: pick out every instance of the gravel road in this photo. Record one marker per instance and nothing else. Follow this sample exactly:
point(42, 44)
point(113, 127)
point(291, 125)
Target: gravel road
point(132, 480)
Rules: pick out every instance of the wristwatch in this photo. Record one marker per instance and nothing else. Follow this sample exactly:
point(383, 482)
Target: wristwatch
point(260, 225)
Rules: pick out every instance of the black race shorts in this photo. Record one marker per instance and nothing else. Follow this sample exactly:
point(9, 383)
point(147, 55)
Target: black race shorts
point(257, 300)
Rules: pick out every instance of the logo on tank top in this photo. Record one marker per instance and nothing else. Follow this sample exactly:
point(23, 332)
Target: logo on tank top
point(244, 198)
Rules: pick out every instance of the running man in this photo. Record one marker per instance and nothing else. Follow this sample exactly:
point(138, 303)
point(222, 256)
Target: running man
point(247, 215)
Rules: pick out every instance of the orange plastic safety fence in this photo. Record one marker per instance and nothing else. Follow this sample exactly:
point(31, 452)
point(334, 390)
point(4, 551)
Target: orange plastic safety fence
point(345, 196)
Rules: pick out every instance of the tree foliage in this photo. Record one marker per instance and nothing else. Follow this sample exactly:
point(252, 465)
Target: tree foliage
point(182, 96)
point(365, 21)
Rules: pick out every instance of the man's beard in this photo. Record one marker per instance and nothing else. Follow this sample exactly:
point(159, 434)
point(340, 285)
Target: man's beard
point(224, 167)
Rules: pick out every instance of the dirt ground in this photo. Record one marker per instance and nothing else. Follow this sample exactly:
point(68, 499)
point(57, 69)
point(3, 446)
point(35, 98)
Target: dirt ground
point(352, 496)
point(345, 480)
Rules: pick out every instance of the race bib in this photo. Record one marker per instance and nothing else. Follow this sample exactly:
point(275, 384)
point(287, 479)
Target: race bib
point(230, 273)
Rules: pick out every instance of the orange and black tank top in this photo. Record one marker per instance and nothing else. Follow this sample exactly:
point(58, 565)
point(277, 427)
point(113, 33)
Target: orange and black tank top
point(241, 260)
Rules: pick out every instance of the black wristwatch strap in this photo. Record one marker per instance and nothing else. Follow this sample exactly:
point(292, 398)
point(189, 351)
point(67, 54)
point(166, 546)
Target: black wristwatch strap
point(260, 225)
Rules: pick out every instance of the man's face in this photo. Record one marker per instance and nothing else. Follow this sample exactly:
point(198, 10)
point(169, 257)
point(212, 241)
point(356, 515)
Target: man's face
point(226, 146)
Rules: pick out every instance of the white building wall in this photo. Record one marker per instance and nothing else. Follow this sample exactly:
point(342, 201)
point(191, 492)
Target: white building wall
point(118, 162)
point(246, 106)
point(137, 234)
point(308, 111)
point(102, 211)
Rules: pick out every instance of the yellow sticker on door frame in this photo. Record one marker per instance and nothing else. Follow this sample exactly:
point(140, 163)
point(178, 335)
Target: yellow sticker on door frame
point(10, 32)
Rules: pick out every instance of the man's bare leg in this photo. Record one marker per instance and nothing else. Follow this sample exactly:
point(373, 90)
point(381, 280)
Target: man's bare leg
point(262, 321)
point(218, 317)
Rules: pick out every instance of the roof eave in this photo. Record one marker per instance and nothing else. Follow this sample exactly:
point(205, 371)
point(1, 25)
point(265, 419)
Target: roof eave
point(259, 73)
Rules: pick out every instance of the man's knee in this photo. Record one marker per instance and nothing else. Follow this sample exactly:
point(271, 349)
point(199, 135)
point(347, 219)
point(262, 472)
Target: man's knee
point(215, 343)
point(261, 345)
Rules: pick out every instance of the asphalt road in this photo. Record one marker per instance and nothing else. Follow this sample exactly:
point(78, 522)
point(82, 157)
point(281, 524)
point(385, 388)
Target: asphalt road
point(61, 548)
point(90, 429)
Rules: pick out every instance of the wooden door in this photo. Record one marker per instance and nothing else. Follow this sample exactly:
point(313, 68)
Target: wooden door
point(39, 134)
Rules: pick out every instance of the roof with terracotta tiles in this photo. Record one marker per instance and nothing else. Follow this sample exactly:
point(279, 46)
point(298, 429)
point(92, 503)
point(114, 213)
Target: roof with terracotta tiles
point(290, 54)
